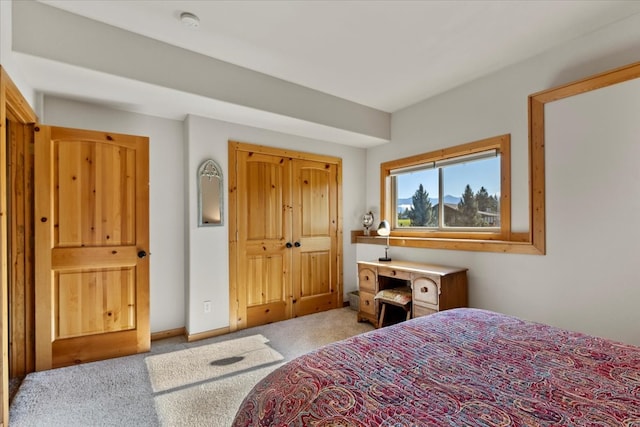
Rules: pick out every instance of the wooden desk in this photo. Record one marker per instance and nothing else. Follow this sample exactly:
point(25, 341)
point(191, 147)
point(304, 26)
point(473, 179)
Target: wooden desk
point(434, 287)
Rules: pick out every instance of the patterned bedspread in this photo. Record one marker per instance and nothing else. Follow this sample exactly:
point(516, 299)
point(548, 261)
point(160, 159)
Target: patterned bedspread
point(462, 367)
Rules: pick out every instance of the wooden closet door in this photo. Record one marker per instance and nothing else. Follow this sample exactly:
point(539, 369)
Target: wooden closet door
point(284, 234)
point(92, 234)
point(264, 224)
point(315, 227)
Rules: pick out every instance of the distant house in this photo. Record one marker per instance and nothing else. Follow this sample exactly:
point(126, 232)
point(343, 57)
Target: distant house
point(488, 219)
point(451, 212)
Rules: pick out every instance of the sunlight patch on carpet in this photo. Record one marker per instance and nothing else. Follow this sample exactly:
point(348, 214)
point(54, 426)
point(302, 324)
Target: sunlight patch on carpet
point(208, 362)
point(212, 404)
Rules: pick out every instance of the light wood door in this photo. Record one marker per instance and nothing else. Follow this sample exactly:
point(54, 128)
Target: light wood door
point(264, 267)
point(284, 232)
point(92, 235)
point(315, 222)
point(15, 109)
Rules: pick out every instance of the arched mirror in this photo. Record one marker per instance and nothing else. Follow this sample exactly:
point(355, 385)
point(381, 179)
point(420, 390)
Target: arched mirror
point(210, 194)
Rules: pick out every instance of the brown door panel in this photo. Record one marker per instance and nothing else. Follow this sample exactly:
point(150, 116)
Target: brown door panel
point(92, 237)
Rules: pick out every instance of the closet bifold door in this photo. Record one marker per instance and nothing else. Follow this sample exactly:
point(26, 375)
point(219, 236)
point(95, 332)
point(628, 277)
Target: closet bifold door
point(315, 218)
point(284, 231)
point(264, 264)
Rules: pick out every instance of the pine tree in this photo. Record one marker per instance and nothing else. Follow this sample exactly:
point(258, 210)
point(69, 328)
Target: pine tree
point(421, 212)
point(468, 209)
point(495, 204)
point(488, 204)
point(483, 200)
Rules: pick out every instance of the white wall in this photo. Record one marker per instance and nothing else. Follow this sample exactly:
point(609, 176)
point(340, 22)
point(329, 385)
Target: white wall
point(208, 247)
point(190, 265)
point(167, 176)
point(588, 280)
point(6, 54)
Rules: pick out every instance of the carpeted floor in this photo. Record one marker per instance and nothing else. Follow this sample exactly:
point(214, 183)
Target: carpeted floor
point(122, 392)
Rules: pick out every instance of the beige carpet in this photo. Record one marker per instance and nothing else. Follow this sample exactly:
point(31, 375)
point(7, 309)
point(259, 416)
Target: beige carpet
point(212, 361)
point(210, 403)
point(164, 388)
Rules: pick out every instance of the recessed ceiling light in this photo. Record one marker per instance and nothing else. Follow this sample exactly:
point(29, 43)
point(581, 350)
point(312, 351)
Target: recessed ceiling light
point(189, 20)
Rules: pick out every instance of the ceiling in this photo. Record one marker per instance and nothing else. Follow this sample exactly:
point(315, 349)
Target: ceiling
point(382, 54)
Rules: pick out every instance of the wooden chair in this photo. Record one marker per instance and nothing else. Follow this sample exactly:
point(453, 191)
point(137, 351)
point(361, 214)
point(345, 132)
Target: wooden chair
point(400, 297)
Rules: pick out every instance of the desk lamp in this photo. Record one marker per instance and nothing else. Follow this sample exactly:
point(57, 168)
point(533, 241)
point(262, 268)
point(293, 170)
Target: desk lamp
point(384, 229)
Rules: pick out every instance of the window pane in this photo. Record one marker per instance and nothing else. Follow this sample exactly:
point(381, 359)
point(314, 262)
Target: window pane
point(417, 196)
point(472, 194)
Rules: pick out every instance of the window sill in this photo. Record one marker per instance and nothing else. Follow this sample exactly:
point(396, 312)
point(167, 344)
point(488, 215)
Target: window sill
point(520, 244)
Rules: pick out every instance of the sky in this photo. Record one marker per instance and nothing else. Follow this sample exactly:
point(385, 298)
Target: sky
point(484, 172)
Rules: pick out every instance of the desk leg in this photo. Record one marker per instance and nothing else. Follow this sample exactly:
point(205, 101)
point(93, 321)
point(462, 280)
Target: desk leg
point(382, 311)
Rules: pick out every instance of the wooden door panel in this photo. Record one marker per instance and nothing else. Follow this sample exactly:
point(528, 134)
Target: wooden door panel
point(266, 291)
point(316, 290)
point(92, 234)
point(94, 302)
point(94, 185)
point(315, 192)
point(265, 194)
point(315, 305)
point(262, 315)
point(103, 257)
point(264, 280)
point(316, 273)
point(72, 351)
point(315, 228)
point(263, 230)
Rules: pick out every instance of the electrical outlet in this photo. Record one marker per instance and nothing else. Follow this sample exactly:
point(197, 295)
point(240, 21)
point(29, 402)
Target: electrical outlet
point(207, 306)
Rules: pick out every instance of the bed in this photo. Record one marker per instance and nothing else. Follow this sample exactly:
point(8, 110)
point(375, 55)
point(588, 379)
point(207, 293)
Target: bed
point(460, 367)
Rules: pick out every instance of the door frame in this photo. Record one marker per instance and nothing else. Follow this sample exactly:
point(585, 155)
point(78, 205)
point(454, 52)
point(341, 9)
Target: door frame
point(237, 317)
point(12, 105)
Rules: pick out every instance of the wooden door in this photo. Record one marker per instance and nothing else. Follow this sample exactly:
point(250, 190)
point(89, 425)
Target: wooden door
point(264, 224)
point(15, 108)
point(284, 226)
point(92, 235)
point(315, 225)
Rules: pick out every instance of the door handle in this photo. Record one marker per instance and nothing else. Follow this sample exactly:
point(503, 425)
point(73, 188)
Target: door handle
point(142, 254)
point(289, 245)
point(297, 244)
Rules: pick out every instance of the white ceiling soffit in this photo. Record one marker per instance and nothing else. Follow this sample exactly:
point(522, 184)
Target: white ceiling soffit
point(125, 94)
point(121, 61)
point(386, 55)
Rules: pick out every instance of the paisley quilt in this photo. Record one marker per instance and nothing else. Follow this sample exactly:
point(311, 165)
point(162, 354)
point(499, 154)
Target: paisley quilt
point(461, 367)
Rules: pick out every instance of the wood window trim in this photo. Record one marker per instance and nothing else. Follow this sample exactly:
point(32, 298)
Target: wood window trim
point(501, 143)
point(534, 241)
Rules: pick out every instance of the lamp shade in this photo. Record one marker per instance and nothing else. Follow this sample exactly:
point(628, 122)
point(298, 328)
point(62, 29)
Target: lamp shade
point(384, 229)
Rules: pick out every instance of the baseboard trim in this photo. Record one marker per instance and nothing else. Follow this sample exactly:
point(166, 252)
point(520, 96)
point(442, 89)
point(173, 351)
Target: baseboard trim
point(177, 332)
point(208, 334)
point(182, 332)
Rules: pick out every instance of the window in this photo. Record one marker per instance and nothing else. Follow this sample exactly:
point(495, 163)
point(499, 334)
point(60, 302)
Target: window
point(458, 192)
